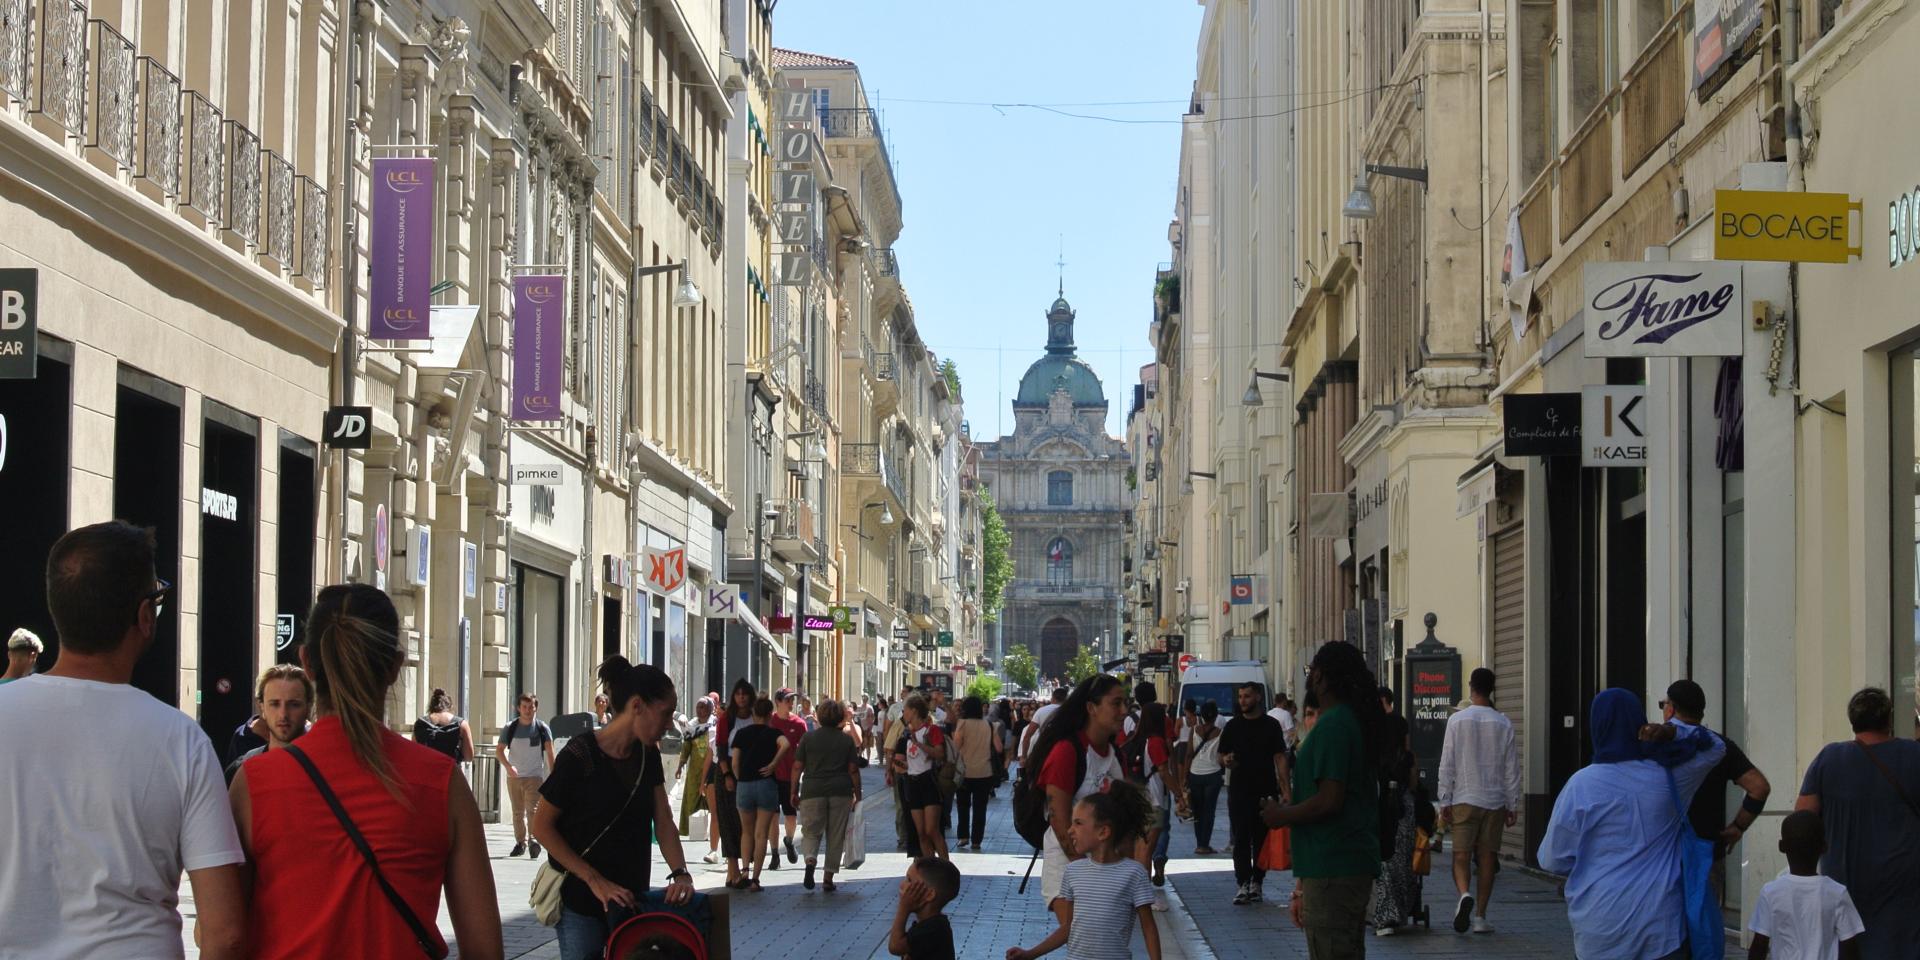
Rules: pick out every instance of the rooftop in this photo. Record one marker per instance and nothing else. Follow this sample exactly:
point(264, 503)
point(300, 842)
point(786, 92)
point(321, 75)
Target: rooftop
point(800, 58)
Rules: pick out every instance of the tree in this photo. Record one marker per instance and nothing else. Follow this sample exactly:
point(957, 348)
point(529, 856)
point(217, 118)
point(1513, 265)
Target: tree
point(1082, 665)
point(1019, 667)
point(997, 566)
point(986, 688)
point(951, 373)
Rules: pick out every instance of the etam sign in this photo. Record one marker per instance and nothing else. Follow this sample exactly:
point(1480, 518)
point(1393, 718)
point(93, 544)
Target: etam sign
point(1664, 309)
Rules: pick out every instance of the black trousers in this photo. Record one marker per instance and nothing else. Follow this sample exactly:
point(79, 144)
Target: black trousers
point(970, 800)
point(1249, 834)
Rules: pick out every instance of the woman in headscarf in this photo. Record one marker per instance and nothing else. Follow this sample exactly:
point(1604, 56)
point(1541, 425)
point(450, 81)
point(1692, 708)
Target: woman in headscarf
point(1615, 831)
point(696, 748)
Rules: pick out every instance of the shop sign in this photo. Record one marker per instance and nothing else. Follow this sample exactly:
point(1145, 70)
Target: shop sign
point(945, 638)
point(19, 323)
point(1780, 226)
point(283, 630)
point(842, 617)
point(1612, 430)
point(899, 651)
point(213, 503)
point(902, 634)
point(816, 623)
point(348, 428)
point(470, 569)
point(780, 623)
point(536, 474)
point(1174, 643)
point(382, 538)
point(720, 603)
point(402, 254)
point(1903, 229)
point(1664, 309)
point(1541, 424)
point(1240, 589)
point(539, 307)
point(500, 598)
point(940, 680)
point(1721, 29)
point(666, 569)
point(422, 558)
point(1153, 660)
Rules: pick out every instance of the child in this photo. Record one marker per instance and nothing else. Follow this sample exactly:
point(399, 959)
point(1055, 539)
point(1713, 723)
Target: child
point(930, 885)
point(1809, 917)
point(1101, 889)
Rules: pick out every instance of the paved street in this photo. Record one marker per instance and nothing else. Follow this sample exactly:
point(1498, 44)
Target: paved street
point(991, 914)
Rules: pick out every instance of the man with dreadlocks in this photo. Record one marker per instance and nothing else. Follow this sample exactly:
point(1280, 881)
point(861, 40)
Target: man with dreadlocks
point(1335, 817)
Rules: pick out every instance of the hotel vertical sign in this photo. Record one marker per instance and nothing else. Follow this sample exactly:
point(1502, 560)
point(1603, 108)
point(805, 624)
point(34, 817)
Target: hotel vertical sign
point(795, 188)
point(402, 254)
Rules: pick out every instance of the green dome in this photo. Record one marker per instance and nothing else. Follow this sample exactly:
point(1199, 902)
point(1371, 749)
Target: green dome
point(1052, 372)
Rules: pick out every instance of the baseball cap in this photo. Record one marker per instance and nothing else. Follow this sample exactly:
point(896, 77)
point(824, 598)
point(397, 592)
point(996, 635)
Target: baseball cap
point(784, 693)
point(24, 639)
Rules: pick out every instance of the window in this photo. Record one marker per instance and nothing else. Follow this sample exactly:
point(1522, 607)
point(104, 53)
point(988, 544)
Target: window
point(1059, 562)
point(1060, 488)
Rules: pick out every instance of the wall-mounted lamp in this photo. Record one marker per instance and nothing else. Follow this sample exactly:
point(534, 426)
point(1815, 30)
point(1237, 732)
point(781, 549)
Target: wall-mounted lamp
point(1186, 486)
point(1252, 397)
point(1359, 205)
point(687, 296)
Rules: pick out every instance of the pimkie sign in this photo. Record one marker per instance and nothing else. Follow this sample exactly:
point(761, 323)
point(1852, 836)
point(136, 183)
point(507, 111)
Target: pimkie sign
point(1664, 309)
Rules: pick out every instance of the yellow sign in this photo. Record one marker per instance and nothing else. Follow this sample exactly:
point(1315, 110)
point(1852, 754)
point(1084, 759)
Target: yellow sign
point(1792, 227)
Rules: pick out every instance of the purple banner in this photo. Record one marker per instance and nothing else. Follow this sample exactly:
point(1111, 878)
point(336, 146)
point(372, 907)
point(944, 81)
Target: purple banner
point(539, 319)
point(402, 248)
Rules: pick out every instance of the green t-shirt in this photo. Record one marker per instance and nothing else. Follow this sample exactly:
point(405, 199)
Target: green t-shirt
point(1348, 845)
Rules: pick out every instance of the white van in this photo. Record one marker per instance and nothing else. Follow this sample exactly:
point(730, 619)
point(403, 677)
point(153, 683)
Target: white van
point(1220, 682)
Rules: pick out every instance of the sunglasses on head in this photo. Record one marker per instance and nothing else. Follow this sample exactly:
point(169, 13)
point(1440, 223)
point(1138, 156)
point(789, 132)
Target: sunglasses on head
point(159, 597)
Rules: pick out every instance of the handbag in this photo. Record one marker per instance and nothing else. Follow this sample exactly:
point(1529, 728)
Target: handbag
point(1277, 852)
point(1422, 852)
point(421, 936)
point(1706, 932)
point(544, 898)
point(853, 853)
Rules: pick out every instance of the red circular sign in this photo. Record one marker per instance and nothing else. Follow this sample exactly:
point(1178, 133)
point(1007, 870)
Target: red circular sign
point(1186, 660)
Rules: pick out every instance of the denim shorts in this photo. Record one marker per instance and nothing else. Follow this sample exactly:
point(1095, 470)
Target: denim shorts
point(755, 795)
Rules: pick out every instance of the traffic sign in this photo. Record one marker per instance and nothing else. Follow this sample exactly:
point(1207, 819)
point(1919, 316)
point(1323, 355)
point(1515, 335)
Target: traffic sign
point(1187, 660)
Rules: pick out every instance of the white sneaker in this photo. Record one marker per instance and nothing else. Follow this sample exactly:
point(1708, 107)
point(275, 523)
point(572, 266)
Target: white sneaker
point(711, 857)
point(1159, 901)
point(1385, 931)
point(1480, 924)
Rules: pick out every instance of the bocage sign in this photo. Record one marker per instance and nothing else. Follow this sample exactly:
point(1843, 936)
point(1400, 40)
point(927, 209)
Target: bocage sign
point(19, 323)
point(1786, 227)
point(1663, 309)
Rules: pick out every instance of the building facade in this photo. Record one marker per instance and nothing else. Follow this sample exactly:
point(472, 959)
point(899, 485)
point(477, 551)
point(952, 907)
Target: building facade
point(1060, 484)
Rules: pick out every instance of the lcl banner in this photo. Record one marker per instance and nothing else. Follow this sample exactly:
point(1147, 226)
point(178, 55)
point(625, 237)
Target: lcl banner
point(539, 307)
point(402, 248)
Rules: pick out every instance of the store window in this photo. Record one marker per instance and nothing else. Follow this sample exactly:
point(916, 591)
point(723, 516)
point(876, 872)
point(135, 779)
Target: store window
point(1904, 545)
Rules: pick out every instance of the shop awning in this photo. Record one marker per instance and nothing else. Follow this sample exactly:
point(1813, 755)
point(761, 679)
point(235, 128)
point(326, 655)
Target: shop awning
point(759, 631)
point(1476, 487)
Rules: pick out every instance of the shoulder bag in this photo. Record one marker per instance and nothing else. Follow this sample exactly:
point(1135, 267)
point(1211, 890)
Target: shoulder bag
point(1882, 767)
point(545, 895)
point(421, 935)
point(1706, 931)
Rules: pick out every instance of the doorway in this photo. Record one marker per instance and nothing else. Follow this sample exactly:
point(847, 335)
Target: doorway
point(293, 580)
point(612, 627)
point(229, 569)
point(146, 493)
point(1059, 641)
point(35, 440)
point(539, 635)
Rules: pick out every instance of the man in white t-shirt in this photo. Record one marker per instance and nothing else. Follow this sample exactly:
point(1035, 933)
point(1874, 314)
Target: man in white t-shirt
point(1283, 712)
point(1040, 720)
point(93, 868)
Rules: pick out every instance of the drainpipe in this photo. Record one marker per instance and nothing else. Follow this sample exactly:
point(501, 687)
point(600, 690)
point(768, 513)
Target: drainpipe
point(350, 266)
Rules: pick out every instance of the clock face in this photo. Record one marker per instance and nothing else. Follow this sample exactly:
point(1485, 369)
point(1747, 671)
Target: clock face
point(1060, 331)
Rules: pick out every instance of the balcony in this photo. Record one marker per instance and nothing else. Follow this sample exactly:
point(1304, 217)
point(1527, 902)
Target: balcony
point(1654, 101)
point(882, 379)
point(88, 89)
point(873, 460)
point(793, 531)
point(860, 123)
point(814, 391)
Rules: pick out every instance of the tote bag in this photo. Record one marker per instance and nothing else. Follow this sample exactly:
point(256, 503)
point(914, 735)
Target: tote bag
point(1706, 934)
point(853, 853)
point(1277, 852)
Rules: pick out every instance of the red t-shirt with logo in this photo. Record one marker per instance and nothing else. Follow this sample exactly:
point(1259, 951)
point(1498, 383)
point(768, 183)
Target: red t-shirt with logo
point(793, 728)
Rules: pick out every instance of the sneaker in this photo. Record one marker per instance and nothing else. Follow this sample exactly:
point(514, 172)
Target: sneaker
point(807, 881)
point(533, 849)
point(518, 849)
point(773, 860)
point(1241, 896)
point(1385, 931)
point(1160, 901)
point(713, 856)
point(1480, 924)
point(792, 854)
point(1462, 912)
point(1258, 889)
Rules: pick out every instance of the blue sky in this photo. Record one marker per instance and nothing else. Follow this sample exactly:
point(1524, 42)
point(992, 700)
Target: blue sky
point(989, 195)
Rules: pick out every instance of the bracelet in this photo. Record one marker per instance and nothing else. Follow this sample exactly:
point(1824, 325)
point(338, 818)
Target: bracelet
point(677, 874)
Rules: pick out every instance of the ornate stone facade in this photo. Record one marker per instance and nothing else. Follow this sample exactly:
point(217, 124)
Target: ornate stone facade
point(1060, 482)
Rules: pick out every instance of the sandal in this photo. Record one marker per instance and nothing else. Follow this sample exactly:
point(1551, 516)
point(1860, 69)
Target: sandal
point(828, 887)
point(754, 885)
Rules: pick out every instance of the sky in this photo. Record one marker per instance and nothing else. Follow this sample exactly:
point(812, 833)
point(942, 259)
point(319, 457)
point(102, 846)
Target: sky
point(990, 195)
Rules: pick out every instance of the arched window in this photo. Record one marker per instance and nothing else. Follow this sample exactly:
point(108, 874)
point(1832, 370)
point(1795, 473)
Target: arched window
point(1060, 488)
point(1059, 562)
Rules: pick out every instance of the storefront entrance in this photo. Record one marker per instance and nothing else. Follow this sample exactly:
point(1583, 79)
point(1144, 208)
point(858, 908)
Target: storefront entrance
point(229, 570)
point(146, 493)
point(35, 425)
point(293, 590)
point(540, 637)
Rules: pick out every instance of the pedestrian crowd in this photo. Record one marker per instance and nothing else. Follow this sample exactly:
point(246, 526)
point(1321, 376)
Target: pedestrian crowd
point(331, 835)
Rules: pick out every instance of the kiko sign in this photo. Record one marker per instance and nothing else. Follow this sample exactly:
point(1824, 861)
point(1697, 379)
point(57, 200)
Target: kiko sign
point(1664, 309)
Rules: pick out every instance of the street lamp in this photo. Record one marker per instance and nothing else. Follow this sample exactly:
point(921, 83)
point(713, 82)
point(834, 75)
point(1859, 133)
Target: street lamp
point(1252, 397)
point(687, 296)
point(1186, 486)
point(1359, 205)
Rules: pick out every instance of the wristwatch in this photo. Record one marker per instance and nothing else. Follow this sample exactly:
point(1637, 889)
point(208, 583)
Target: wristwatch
point(677, 874)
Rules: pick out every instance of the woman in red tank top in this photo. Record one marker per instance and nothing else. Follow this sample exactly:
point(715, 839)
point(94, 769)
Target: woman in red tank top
point(314, 894)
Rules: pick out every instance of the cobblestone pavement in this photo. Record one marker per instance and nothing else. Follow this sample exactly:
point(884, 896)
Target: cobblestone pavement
point(991, 913)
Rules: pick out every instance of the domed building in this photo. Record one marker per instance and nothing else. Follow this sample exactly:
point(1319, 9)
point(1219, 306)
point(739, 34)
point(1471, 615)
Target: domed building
point(1060, 483)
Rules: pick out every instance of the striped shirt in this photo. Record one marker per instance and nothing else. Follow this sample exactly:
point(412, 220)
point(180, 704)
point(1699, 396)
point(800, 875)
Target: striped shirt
point(1104, 897)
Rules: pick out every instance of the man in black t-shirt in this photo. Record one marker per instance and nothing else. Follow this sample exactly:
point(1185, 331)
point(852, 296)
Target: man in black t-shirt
point(1255, 749)
point(1708, 814)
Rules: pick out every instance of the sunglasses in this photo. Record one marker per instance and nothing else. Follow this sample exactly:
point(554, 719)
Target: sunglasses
point(1663, 704)
point(159, 598)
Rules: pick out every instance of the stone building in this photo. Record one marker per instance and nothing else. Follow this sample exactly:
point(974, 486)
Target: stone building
point(1060, 483)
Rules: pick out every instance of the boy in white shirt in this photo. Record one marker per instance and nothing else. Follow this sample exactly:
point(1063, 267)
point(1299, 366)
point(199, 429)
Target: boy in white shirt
point(1801, 915)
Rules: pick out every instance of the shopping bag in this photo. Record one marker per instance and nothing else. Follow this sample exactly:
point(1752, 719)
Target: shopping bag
point(1422, 852)
point(1277, 852)
point(854, 851)
point(1706, 930)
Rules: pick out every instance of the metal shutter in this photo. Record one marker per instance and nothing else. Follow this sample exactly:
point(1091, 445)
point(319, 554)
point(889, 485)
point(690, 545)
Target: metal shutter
point(1509, 653)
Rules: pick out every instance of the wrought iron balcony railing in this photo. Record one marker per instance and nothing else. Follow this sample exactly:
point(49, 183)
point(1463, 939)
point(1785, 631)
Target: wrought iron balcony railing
point(860, 459)
point(63, 64)
point(281, 217)
point(159, 109)
point(243, 182)
point(113, 102)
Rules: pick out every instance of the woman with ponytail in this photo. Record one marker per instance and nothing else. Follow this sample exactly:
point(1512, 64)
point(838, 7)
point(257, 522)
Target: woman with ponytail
point(314, 892)
point(1074, 756)
point(606, 792)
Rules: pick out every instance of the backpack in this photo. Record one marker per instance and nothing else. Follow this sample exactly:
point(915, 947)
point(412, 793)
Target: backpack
point(1133, 756)
point(443, 739)
point(1030, 799)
